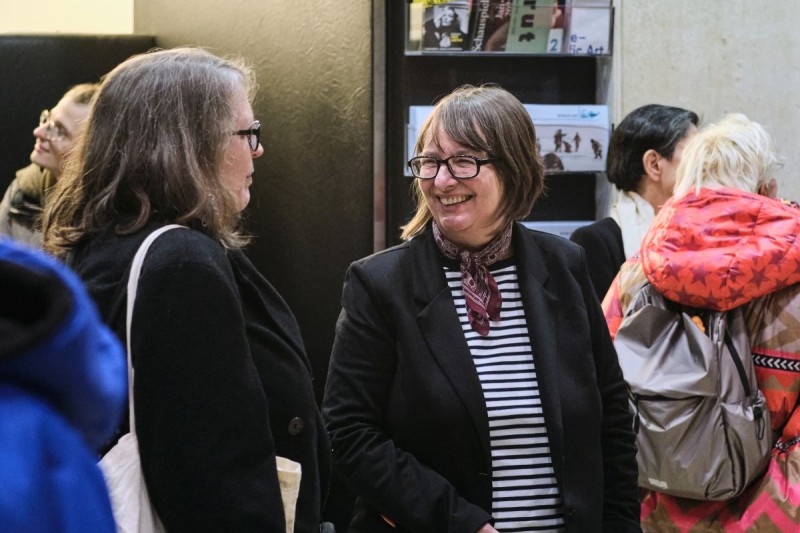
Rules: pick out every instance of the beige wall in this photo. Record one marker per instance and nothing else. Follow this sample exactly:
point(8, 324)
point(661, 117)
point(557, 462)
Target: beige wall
point(715, 56)
point(66, 16)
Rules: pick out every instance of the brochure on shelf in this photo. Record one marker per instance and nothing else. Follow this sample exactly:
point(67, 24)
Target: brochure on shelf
point(571, 3)
point(438, 25)
point(589, 27)
point(416, 19)
point(529, 27)
point(571, 138)
point(446, 26)
point(489, 25)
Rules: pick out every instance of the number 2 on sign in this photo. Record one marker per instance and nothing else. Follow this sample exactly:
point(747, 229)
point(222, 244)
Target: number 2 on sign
point(555, 40)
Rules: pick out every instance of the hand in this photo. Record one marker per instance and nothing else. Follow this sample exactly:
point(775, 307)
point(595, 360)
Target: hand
point(487, 528)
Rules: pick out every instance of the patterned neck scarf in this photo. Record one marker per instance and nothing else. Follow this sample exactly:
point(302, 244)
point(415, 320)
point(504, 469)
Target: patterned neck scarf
point(480, 289)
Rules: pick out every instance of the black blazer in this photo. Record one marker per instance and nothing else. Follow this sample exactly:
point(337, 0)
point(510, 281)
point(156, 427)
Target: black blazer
point(605, 252)
point(222, 382)
point(404, 405)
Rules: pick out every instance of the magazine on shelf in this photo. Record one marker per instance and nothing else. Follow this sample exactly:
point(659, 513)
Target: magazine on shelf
point(489, 25)
point(571, 138)
point(416, 19)
point(445, 25)
point(589, 27)
point(529, 26)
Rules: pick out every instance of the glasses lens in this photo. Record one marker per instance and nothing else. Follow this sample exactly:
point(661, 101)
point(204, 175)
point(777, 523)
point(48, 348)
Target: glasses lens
point(252, 134)
point(424, 167)
point(463, 167)
point(51, 131)
point(255, 136)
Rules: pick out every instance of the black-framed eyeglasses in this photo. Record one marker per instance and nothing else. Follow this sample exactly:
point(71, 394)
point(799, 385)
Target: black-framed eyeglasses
point(53, 131)
point(462, 167)
point(253, 134)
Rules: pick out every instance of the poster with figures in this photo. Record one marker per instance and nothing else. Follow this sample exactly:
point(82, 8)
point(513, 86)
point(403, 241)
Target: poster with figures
point(571, 138)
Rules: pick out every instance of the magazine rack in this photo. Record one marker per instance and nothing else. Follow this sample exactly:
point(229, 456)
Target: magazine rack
point(406, 76)
point(544, 27)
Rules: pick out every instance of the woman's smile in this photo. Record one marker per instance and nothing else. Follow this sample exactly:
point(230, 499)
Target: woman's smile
point(453, 200)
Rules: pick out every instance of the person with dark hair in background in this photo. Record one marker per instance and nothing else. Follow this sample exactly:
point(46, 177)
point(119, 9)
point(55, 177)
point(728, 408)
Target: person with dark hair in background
point(223, 385)
point(473, 386)
point(62, 396)
point(643, 153)
point(56, 135)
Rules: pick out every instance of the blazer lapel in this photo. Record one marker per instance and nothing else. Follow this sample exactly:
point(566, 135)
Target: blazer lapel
point(540, 308)
point(441, 329)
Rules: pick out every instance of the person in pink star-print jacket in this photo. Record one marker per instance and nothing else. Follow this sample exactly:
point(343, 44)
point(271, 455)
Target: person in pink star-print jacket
point(721, 242)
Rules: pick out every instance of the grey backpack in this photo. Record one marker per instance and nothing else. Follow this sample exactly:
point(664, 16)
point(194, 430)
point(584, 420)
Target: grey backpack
point(702, 426)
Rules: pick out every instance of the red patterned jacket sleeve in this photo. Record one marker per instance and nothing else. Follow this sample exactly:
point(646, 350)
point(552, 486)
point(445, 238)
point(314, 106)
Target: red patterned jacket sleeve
point(612, 307)
point(629, 280)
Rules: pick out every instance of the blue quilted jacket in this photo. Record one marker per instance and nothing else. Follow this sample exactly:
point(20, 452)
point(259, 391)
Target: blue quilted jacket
point(62, 394)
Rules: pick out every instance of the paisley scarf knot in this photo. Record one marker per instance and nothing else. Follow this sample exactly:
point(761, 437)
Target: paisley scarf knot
point(480, 288)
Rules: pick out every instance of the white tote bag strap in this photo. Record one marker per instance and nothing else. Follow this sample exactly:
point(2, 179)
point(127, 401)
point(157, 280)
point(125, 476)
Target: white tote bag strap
point(133, 283)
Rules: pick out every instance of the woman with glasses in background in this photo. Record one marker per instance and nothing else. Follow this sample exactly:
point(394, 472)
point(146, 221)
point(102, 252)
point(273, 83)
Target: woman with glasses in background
point(473, 386)
point(56, 135)
point(222, 384)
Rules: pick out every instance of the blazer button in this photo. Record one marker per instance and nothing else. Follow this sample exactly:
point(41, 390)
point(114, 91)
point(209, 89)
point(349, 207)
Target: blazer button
point(296, 426)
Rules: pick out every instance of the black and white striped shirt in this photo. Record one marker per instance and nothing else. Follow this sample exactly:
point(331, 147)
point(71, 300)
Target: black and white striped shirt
point(525, 495)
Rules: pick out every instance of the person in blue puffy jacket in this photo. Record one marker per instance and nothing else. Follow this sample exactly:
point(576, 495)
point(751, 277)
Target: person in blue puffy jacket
point(62, 395)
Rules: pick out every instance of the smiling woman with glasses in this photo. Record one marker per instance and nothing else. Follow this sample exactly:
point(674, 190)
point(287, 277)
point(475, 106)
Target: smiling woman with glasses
point(473, 386)
point(222, 386)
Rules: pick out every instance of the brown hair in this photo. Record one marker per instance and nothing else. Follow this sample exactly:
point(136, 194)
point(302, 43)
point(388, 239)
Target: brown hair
point(486, 119)
point(152, 148)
